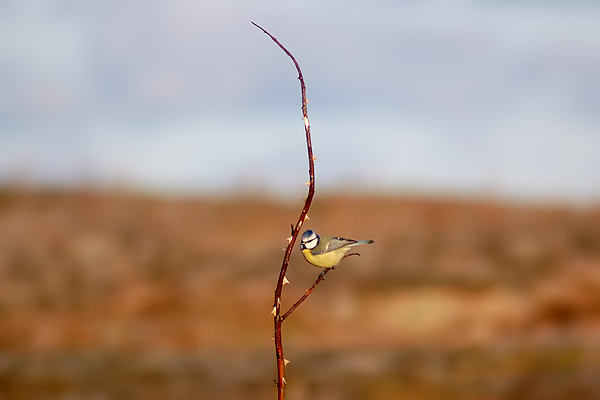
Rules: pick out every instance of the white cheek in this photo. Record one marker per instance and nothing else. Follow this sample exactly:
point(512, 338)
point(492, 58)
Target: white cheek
point(311, 244)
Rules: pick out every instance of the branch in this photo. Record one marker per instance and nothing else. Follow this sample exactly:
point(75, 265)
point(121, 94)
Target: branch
point(311, 166)
point(278, 319)
point(308, 292)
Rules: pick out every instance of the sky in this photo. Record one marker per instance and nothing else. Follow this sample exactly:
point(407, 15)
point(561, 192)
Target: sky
point(444, 97)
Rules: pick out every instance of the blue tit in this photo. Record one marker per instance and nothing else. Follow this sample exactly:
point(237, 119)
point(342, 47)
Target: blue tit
point(326, 251)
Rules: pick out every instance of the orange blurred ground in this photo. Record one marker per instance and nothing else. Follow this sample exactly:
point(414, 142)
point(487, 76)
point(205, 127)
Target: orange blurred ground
point(121, 296)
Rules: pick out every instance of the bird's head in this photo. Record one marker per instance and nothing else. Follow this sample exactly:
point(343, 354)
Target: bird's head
point(309, 240)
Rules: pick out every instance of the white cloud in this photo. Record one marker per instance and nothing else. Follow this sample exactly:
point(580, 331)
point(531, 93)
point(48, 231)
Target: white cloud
point(448, 94)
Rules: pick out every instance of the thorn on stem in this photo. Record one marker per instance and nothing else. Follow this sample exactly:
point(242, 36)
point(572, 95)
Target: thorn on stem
point(285, 280)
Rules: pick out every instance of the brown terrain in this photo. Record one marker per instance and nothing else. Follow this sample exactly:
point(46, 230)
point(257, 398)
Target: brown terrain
point(122, 296)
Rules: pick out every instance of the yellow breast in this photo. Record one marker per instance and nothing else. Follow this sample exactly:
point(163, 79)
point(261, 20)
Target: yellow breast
point(327, 260)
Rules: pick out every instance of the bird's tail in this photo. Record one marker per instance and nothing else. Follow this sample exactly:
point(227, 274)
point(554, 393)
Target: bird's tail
point(362, 242)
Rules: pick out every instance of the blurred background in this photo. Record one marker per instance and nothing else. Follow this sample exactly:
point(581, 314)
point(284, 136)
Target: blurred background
point(152, 159)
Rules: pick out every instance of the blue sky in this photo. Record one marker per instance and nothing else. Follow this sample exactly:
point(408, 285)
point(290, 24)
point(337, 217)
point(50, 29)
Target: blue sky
point(462, 97)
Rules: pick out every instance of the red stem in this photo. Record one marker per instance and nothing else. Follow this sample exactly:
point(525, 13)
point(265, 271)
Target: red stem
point(278, 319)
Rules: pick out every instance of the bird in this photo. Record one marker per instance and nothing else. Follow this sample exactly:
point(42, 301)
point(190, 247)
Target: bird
point(326, 251)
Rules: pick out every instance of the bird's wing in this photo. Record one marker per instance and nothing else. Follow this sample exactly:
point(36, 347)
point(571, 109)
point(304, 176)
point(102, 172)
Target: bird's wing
point(334, 244)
